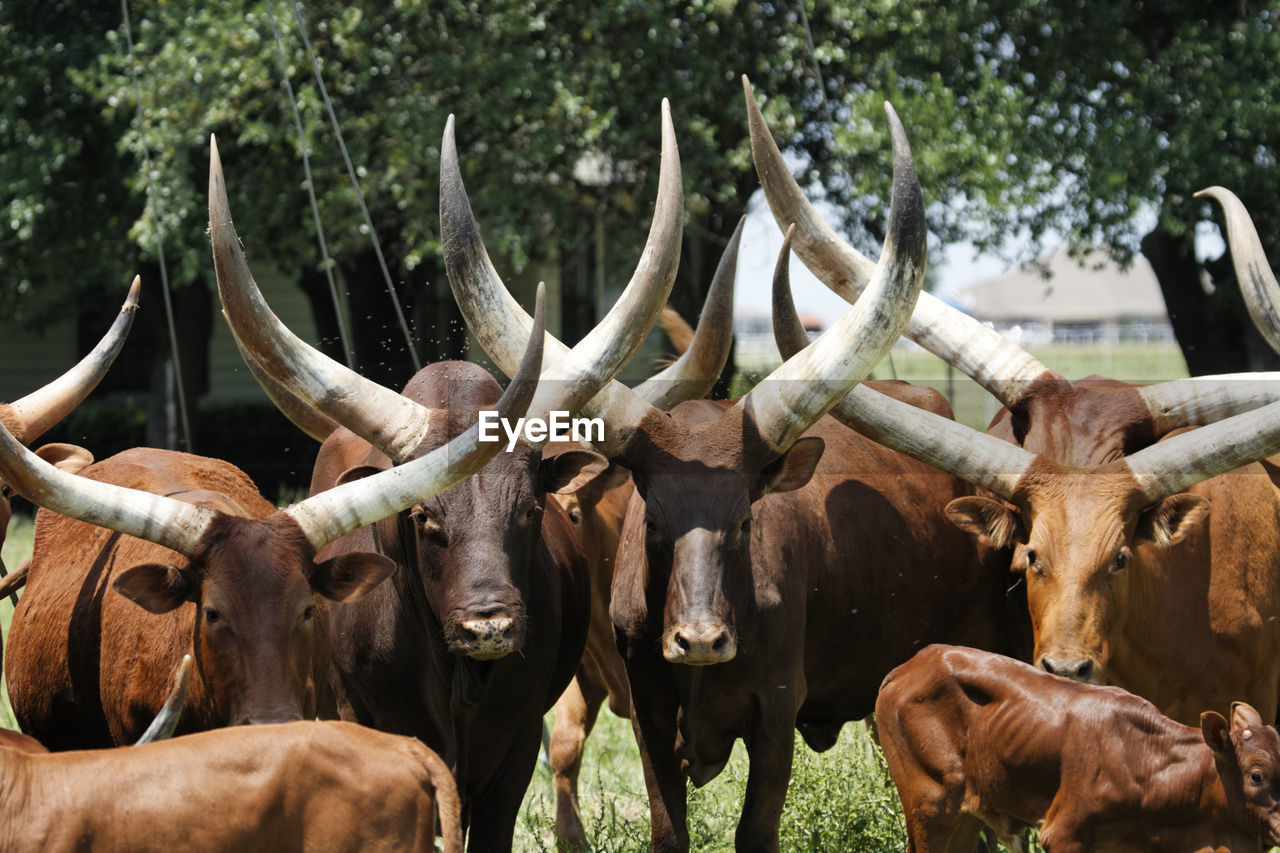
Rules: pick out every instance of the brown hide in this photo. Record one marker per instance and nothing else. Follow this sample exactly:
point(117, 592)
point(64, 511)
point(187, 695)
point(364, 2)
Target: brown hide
point(973, 738)
point(491, 547)
point(823, 585)
point(88, 667)
point(596, 509)
point(1180, 610)
point(301, 786)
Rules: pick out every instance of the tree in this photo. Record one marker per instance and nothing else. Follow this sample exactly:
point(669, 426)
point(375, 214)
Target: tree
point(1085, 118)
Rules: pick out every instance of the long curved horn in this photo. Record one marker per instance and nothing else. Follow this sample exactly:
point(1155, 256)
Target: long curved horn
point(172, 523)
point(994, 362)
point(394, 424)
point(698, 368)
point(314, 423)
point(1206, 399)
point(497, 320)
point(166, 721)
point(337, 511)
point(972, 456)
point(40, 410)
point(809, 383)
point(1176, 464)
point(1257, 281)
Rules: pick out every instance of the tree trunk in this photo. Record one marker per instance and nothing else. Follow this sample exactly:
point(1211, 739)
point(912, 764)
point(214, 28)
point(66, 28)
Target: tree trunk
point(1213, 329)
point(193, 321)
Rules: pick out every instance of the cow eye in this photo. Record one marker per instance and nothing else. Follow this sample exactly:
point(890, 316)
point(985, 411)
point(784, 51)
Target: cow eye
point(1122, 560)
point(650, 527)
point(309, 613)
point(1256, 777)
point(212, 616)
point(575, 516)
point(6, 490)
point(746, 524)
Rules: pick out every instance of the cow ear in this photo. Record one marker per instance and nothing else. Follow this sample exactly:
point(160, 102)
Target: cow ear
point(359, 472)
point(993, 521)
point(1217, 734)
point(791, 470)
point(65, 457)
point(347, 577)
point(565, 473)
point(156, 587)
point(1245, 716)
point(1170, 520)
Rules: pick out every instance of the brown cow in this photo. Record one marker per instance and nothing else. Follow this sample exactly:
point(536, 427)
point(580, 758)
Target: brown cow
point(484, 624)
point(734, 582)
point(301, 786)
point(974, 739)
point(241, 593)
point(1111, 559)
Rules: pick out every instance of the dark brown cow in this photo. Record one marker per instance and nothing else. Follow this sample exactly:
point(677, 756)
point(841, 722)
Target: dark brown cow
point(484, 624)
point(301, 786)
point(976, 739)
point(596, 507)
point(735, 597)
point(241, 592)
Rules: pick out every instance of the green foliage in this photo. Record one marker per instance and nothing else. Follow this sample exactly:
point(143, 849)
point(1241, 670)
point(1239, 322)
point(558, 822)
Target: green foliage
point(1085, 118)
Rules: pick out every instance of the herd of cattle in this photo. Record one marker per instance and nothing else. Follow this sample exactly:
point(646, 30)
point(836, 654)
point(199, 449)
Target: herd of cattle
point(718, 571)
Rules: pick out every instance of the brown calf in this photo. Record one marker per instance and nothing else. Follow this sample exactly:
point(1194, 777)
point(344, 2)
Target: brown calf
point(291, 787)
point(976, 739)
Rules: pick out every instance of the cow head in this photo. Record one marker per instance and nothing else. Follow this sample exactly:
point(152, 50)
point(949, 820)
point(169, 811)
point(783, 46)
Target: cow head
point(697, 478)
point(1082, 538)
point(1247, 754)
point(473, 545)
point(255, 585)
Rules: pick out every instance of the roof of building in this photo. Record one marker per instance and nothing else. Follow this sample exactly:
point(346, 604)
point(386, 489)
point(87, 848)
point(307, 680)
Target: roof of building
point(1096, 291)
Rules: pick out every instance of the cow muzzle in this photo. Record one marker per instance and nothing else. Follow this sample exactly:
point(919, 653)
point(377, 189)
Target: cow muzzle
point(1074, 667)
point(487, 639)
point(700, 644)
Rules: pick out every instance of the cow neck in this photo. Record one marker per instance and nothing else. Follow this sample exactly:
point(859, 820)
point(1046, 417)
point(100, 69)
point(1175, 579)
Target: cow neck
point(466, 680)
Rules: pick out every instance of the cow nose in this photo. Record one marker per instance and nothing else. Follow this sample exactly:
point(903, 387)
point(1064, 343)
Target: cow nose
point(1077, 670)
point(488, 639)
point(701, 644)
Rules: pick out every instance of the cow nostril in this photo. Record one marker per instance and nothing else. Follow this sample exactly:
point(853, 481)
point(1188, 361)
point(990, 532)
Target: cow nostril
point(721, 642)
point(681, 642)
point(1084, 669)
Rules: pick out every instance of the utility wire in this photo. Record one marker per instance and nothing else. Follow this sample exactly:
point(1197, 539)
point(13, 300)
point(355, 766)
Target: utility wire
point(343, 337)
point(155, 209)
point(373, 234)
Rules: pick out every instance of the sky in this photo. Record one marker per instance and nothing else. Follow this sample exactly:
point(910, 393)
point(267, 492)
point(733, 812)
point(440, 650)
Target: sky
point(762, 240)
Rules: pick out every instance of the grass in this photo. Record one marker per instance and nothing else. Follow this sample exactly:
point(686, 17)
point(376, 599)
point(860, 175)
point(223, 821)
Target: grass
point(841, 799)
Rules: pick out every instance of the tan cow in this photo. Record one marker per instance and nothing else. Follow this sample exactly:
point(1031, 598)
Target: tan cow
point(302, 786)
point(974, 739)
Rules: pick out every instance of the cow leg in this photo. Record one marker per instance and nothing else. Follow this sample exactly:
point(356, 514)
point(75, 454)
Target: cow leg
point(668, 815)
point(576, 712)
point(495, 809)
point(770, 749)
